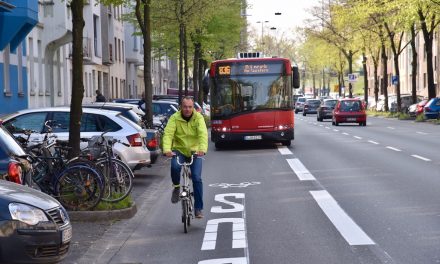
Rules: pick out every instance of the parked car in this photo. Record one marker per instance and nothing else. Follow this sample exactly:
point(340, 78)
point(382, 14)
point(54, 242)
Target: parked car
point(14, 166)
point(311, 106)
point(165, 108)
point(406, 101)
point(93, 122)
point(128, 110)
point(432, 108)
point(325, 110)
point(299, 104)
point(35, 228)
point(416, 109)
point(349, 110)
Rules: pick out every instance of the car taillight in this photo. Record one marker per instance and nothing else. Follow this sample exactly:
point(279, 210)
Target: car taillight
point(15, 172)
point(135, 140)
point(427, 109)
point(152, 143)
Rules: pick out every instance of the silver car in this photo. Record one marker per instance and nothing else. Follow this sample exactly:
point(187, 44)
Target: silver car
point(93, 122)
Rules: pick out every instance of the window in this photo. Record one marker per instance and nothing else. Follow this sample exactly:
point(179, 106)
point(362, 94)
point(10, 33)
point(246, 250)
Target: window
point(95, 35)
point(32, 121)
point(60, 122)
point(31, 66)
point(123, 53)
point(6, 74)
point(119, 49)
point(40, 68)
point(88, 123)
point(116, 49)
point(106, 124)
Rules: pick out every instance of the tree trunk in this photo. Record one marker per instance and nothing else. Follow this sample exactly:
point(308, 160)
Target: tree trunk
point(185, 58)
point(385, 76)
point(181, 29)
point(414, 65)
point(364, 66)
point(428, 37)
point(77, 77)
point(196, 68)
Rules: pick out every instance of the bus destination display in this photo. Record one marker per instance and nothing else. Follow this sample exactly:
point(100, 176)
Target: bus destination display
point(250, 68)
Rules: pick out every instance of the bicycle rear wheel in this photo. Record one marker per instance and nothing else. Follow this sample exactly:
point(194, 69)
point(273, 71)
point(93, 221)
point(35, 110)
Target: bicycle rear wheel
point(118, 179)
point(79, 188)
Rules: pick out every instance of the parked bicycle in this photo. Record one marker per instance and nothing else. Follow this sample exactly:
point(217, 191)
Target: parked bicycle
point(73, 182)
point(118, 177)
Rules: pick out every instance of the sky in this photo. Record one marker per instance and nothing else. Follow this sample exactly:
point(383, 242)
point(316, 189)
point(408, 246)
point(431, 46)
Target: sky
point(293, 13)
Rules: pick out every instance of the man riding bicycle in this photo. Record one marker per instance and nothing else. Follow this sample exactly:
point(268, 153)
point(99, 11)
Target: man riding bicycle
point(185, 134)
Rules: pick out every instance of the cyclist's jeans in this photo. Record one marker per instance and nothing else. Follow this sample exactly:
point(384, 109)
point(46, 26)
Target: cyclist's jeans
point(196, 176)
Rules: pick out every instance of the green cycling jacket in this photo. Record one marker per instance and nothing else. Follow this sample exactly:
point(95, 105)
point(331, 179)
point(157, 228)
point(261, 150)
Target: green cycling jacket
point(185, 136)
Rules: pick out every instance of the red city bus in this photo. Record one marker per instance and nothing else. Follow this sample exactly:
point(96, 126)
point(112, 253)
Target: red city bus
point(251, 100)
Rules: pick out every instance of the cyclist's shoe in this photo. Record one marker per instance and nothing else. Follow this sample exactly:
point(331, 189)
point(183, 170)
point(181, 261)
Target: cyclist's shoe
point(199, 214)
point(175, 196)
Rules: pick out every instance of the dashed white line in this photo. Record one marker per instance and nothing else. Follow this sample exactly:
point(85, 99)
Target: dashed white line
point(390, 127)
point(373, 142)
point(335, 130)
point(327, 127)
point(352, 233)
point(420, 157)
point(300, 170)
point(345, 134)
point(357, 137)
point(395, 149)
point(421, 133)
point(284, 150)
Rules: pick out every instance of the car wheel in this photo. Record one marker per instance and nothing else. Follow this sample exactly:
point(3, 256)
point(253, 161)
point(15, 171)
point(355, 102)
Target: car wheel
point(304, 113)
point(218, 145)
point(296, 111)
point(336, 123)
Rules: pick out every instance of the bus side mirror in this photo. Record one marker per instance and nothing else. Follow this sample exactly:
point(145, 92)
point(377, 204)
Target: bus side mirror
point(295, 77)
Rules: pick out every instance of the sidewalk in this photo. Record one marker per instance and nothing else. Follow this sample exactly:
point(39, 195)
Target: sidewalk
point(86, 233)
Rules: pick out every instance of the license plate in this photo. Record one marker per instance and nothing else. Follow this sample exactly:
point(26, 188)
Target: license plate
point(257, 137)
point(66, 235)
point(351, 119)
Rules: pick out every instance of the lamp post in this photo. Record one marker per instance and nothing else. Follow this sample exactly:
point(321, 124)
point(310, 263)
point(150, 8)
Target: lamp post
point(262, 32)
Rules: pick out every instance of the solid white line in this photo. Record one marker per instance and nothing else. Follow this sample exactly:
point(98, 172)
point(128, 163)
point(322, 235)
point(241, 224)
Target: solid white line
point(420, 157)
point(373, 142)
point(357, 137)
point(351, 232)
point(395, 149)
point(284, 150)
point(300, 170)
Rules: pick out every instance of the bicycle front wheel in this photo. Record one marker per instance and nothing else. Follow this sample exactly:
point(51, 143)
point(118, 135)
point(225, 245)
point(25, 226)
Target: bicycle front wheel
point(79, 188)
point(118, 179)
point(185, 215)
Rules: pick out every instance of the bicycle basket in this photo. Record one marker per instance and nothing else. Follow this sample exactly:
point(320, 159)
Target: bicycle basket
point(96, 146)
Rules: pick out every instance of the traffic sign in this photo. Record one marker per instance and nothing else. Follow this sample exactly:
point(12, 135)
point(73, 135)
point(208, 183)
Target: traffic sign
point(352, 77)
point(395, 79)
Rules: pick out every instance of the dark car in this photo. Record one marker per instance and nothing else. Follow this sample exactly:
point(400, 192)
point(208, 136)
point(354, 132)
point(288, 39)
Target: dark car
point(14, 165)
point(349, 110)
point(311, 106)
point(165, 108)
point(35, 228)
point(325, 110)
point(432, 108)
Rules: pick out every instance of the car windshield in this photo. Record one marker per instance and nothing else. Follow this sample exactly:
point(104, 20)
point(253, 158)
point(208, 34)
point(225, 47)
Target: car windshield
point(330, 103)
point(313, 102)
point(8, 143)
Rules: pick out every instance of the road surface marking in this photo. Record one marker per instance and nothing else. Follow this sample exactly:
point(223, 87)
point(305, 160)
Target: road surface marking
point(351, 232)
point(395, 149)
point(300, 170)
point(420, 157)
point(225, 261)
point(238, 233)
point(373, 142)
point(421, 133)
point(345, 133)
point(357, 137)
point(335, 130)
point(327, 127)
point(390, 127)
point(321, 125)
point(284, 150)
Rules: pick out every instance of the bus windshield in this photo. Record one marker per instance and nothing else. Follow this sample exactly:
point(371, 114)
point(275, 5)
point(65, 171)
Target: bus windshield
point(241, 93)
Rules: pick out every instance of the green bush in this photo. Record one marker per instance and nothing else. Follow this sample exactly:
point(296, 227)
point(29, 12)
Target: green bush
point(127, 202)
point(403, 116)
point(420, 118)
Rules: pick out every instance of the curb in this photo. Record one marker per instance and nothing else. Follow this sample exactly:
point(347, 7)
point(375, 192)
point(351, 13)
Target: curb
point(94, 216)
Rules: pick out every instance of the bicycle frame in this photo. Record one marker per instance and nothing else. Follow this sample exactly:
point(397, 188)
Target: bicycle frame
point(186, 193)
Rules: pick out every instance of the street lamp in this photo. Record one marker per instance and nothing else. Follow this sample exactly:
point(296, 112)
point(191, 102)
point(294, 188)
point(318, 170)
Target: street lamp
point(262, 33)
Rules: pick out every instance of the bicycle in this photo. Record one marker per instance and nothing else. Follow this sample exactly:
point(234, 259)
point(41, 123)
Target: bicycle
point(186, 193)
point(118, 177)
point(75, 184)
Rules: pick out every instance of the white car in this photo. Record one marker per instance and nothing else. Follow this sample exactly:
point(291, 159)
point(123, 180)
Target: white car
point(93, 122)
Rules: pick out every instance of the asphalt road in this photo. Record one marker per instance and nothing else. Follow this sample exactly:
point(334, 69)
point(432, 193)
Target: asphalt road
point(339, 194)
